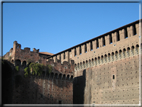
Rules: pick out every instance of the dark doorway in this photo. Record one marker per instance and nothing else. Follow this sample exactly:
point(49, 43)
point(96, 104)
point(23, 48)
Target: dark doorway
point(17, 62)
point(24, 64)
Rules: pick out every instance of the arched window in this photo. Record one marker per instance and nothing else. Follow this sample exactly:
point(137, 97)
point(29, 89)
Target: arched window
point(78, 66)
point(112, 56)
point(68, 77)
point(124, 53)
point(137, 49)
point(64, 77)
point(81, 65)
point(98, 60)
point(116, 55)
point(17, 62)
point(72, 77)
point(132, 50)
point(120, 54)
point(60, 76)
point(56, 75)
point(128, 52)
point(95, 61)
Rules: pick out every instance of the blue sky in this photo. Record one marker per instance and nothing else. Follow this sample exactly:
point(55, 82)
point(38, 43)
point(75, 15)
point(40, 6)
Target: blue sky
point(54, 27)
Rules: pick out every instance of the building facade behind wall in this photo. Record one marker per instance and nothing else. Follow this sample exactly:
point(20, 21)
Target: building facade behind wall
point(24, 56)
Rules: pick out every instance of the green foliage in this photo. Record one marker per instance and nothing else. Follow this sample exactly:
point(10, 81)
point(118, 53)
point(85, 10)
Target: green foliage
point(37, 69)
point(49, 68)
point(31, 65)
point(26, 70)
point(17, 68)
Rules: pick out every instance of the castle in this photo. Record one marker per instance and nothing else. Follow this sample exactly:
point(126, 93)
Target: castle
point(103, 70)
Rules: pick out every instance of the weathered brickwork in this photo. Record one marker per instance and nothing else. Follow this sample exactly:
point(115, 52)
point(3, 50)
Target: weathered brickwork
point(114, 82)
point(53, 88)
point(50, 89)
point(18, 55)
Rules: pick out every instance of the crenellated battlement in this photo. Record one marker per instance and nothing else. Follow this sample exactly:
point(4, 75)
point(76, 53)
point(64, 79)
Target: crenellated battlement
point(109, 57)
point(65, 67)
point(35, 50)
point(60, 76)
point(27, 49)
point(107, 40)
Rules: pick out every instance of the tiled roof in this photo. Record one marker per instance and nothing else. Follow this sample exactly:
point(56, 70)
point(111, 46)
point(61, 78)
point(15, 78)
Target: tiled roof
point(46, 53)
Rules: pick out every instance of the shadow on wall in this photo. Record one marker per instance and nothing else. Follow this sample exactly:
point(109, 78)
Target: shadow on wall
point(79, 88)
point(20, 90)
point(31, 93)
point(7, 81)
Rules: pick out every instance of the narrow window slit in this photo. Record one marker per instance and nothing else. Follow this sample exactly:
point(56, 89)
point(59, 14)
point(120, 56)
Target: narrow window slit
point(134, 30)
point(80, 51)
point(110, 38)
point(97, 43)
point(126, 34)
point(85, 48)
point(91, 46)
point(113, 76)
point(104, 41)
point(75, 52)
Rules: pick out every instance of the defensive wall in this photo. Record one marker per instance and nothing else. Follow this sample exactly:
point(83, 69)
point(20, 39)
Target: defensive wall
point(106, 67)
point(112, 73)
point(109, 43)
point(54, 88)
point(103, 70)
point(51, 88)
point(46, 89)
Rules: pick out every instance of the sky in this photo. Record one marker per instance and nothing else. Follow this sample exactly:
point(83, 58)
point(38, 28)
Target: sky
point(54, 27)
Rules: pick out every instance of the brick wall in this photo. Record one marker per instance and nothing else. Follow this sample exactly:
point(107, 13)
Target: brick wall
point(53, 88)
point(114, 82)
point(47, 89)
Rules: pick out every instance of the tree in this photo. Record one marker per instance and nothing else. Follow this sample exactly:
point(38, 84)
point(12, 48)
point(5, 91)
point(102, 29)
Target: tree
point(37, 69)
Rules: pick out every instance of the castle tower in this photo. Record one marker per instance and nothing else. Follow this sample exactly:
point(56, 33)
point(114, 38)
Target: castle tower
point(14, 48)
